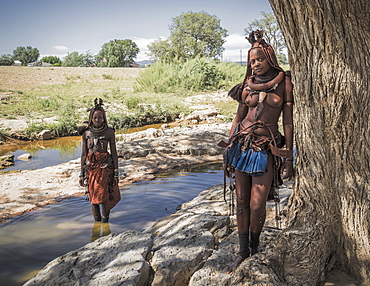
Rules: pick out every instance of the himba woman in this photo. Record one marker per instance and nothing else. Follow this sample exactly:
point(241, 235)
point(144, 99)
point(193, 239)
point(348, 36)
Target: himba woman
point(99, 167)
point(265, 93)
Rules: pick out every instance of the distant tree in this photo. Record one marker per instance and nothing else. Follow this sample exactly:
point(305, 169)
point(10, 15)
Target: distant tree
point(26, 54)
point(117, 53)
point(89, 59)
point(52, 60)
point(192, 35)
point(74, 59)
point(6, 60)
point(273, 34)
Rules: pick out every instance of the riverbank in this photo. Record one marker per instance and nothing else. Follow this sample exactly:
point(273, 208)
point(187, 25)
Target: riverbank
point(141, 156)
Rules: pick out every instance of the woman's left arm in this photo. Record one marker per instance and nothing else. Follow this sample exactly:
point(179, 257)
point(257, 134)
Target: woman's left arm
point(113, 151)
point(288, 126)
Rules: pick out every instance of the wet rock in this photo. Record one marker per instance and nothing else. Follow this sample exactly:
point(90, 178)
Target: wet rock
point(25, 157)
point(44, 135)
point(6, 161)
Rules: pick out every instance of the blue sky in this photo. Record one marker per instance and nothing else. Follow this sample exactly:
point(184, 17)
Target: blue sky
point(56, 27)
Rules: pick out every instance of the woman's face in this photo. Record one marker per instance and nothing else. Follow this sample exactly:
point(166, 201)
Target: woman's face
point(258, 62)
point(98, 119)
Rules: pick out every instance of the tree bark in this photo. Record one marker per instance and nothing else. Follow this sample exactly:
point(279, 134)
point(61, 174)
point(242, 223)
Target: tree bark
point(329, 213)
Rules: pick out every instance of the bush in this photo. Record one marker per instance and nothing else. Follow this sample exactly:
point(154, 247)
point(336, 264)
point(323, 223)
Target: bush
point(192, 76)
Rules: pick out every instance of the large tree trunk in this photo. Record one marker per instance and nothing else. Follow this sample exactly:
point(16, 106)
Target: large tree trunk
point(329, 51)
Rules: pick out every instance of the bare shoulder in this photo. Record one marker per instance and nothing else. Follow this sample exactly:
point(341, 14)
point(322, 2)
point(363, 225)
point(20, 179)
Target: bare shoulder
point(110, 133)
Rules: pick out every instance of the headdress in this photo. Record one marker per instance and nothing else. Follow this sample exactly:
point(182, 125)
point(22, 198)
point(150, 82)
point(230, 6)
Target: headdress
point(255, 38)
point(98, 106)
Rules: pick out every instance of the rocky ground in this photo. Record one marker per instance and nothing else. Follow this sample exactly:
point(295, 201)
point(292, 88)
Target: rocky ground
point(191, 247)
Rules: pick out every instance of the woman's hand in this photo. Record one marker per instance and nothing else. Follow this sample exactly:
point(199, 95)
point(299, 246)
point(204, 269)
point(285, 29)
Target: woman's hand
point(115, 181)
point(286, 169)
point(82, 182)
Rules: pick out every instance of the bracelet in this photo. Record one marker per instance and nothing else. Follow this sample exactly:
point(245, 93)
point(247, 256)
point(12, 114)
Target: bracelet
point(289, 159)
point(82, 174)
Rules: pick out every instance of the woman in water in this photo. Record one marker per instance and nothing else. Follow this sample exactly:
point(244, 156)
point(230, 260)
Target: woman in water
point(99, 167)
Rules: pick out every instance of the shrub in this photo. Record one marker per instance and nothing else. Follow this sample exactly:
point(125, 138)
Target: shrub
point(192, 76)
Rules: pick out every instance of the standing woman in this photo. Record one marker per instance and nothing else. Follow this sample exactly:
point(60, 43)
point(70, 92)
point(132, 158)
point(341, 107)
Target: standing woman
point(266, 93)
point(98, 166)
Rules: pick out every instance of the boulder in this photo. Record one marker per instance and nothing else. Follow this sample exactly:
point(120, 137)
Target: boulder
point(106, 261)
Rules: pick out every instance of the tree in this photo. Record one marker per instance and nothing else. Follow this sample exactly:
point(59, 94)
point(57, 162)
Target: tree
point(272, 32)
point(117, 53)
point(329, 212)
point(26, 54)
point(6, 60)
point(192, 35)
point(74, 59)
point(52, 60)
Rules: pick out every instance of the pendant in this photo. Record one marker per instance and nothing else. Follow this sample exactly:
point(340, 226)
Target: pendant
point(262, 96)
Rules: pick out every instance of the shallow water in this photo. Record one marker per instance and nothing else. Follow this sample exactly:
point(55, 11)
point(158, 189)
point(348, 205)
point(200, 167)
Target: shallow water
point(47, 153)
point(30, 241)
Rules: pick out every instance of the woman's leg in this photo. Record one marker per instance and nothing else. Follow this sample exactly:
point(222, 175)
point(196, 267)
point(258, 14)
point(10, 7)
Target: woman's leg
point(105, 212)
point(243, 190)
point(96, 212)
point(259, 193)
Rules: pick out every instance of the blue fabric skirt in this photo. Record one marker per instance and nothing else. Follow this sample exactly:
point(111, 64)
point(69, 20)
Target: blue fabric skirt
point(254, 163)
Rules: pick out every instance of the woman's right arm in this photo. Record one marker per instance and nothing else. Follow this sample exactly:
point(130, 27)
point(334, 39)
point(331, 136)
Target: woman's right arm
point(241, 113)
point(83, 159)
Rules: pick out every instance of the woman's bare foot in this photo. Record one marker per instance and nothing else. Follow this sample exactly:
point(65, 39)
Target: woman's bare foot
point(232, 267)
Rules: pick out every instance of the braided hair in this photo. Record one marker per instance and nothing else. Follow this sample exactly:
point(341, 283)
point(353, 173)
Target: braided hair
point(255, 38)
point(98, 106)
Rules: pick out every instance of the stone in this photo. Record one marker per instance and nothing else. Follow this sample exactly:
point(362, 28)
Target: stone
point(6, 161)
point(25, 157)
point(44, 135)
point(124, 264)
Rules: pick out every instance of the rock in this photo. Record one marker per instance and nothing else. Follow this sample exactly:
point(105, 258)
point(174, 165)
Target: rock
point(7, 158)
point(44, 135)
point(25, 157)
point(183, 245)
point(200, 115)
point(94, 265)
point(6, 161)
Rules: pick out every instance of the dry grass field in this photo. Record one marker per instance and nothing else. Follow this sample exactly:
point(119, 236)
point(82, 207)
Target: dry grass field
point(15, 78)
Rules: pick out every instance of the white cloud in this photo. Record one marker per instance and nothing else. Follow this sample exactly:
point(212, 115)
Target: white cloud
point(236, 48)
point(61, 48)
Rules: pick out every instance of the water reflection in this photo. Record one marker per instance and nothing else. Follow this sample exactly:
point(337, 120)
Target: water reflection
point(99, 230)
